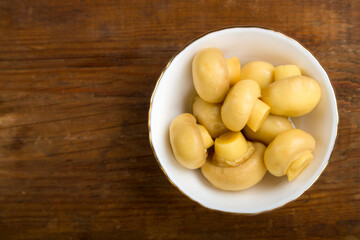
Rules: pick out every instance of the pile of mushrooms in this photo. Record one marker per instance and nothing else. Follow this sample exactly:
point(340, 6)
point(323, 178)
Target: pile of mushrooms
point(255, 100)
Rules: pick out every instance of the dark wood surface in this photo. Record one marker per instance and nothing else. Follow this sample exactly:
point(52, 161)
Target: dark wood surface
point(75, 84)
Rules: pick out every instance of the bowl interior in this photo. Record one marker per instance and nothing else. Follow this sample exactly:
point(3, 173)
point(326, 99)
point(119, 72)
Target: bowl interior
point(173, 96)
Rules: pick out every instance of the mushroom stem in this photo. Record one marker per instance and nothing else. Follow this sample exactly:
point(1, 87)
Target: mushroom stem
point(208, 142)
point(258, 115)
point(221, 162)
point(231, 149)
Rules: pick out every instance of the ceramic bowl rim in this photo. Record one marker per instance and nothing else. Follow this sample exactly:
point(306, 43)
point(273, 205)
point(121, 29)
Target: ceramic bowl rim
point(332, 95)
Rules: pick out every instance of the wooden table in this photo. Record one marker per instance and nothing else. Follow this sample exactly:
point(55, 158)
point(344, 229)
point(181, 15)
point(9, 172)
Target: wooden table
point(76, 79)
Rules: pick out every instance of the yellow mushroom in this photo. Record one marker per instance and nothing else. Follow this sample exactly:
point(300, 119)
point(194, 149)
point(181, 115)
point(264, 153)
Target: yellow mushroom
point(210, 75)
point(239, 103)
point(186, 141)
point(260, 71)
point(208, 115)
point(285, 71)
point(292, 96)
point(289, 153)
point(272, 126)
point(233, 66)
point(231, 149)
point(237, 178)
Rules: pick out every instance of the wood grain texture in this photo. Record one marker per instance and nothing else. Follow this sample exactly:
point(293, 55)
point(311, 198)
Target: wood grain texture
point(75, 83)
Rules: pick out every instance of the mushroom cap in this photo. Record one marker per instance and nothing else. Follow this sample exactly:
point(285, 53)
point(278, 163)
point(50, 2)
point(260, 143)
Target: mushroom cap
point(239, 103)
point(210, 75)
point(272, 126)
point(286, 148)
point(209, 115)
point(293, 96)
point(260, 71)
point(186, 141)
point(237, 178)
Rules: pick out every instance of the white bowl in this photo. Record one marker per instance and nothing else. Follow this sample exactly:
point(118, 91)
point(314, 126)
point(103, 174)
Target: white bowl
point(173, 95)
